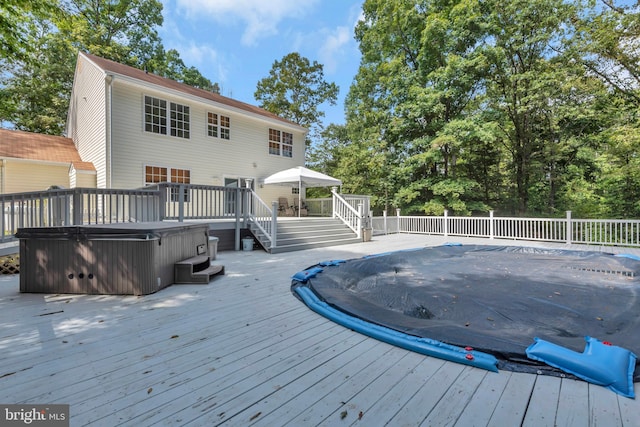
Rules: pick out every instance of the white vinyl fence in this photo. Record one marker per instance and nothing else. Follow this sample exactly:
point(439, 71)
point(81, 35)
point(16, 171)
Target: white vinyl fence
point(564, 230)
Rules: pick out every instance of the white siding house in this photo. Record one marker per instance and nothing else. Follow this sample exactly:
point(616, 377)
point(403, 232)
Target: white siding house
point(137, 128)
point(34, 162)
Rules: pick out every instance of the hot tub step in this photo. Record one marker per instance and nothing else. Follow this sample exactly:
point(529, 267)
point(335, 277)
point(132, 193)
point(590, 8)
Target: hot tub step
point(197, 269)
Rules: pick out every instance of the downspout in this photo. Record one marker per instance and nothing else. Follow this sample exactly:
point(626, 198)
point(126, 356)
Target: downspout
point(108, 109)
point(3, 165)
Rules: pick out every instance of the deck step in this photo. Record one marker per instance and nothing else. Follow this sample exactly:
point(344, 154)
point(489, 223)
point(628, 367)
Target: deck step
point(308, 233)
point(197, 269)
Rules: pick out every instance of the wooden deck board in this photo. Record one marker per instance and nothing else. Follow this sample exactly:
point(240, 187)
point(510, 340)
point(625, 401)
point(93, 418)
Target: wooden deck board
point(480, 408)
point(341, 398)
point(447, 411)
point(573, 407)
point(544, 403)
point(244, 351)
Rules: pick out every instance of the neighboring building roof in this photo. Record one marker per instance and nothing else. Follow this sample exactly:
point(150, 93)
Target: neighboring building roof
point(109, 66)
point(83, 166)
point(34, 146)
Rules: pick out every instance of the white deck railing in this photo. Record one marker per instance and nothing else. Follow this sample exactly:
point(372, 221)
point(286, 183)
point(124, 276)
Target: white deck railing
point(564, 230)
point(343, 210)
point(78, 206)
point(265, 218)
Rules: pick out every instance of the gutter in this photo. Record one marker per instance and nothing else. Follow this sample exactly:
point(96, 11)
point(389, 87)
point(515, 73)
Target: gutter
point(108, 124)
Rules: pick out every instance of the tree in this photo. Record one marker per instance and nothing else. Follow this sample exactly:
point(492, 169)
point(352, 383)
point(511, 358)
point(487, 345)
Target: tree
point(416, 86)
point(170, 65)
point(120, 30)
point(525, 77)
point(15, 15)
point(607, 43)
point(295, 89)
point(34, 92)
point(36, 85)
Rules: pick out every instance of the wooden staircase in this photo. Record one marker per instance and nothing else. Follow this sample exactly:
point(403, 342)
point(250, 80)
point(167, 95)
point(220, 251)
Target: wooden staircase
point(306, 233)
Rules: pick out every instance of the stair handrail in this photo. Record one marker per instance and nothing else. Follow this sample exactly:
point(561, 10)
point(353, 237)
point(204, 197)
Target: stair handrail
point(264, 217)
point(346, 213)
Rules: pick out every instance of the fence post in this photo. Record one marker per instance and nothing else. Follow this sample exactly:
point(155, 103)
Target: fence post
point(274, 224)
point(445, 227)
point(384, 221)
point(569, 230)
point(491, 229)
point(398, 218)
point(359, 220)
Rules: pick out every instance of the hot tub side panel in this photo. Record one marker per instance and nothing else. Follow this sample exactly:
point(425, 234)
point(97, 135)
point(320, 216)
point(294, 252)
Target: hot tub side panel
point(123, 267)
point(94, 262)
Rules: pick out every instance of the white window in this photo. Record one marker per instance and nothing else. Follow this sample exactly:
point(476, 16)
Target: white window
point(280, 143)
point(156, 119)
point(155, 115)
point(218, 126)
point(179, 120)
point(274, 142)
point(158, 174)
point(287, 144)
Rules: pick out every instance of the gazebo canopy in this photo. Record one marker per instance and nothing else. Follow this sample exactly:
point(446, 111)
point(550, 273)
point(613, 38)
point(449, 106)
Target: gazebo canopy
point(303, 177)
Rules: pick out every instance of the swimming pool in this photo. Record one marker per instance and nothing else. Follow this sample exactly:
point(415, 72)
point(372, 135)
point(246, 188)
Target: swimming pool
point(493, 299)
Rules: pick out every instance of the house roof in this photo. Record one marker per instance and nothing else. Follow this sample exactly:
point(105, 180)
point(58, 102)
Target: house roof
point(35, 146)
point(113, 67)
point(84, 166)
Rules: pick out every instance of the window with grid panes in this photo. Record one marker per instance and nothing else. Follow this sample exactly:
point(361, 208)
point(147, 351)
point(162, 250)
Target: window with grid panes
point(180, 176)
point(179, 120)
point(154, 175)
point(212, 124)
point(225, 127)
point(287, 144)
point(155, 115)
point(274, 142)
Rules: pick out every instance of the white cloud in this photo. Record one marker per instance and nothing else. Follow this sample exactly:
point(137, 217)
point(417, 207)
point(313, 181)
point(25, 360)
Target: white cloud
point(333, 48)
point(208, 60)
point(261, 17)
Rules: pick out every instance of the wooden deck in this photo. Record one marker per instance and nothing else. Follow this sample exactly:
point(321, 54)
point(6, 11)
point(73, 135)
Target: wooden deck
point(244, 351)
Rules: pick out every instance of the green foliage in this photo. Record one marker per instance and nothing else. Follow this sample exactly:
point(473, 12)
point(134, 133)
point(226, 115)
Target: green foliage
point(15, 17)
point(526, 107)
point(295, 89)
point(39, 46)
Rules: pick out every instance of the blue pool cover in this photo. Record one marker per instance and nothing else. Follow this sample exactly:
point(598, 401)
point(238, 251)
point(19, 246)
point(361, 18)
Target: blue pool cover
point(496, 300)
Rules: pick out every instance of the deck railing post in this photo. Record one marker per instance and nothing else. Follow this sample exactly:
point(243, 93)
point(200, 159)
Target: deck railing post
point(77, 207)
point(238, 208)
point(384, 221)
point(398, 219)
point(162, 201)
point(247, 210)
point(445, 227)
point(274, 223)
point(491, 230)
point(569, 230)
point(334, 191)
point(359, 220)
point(181, 203)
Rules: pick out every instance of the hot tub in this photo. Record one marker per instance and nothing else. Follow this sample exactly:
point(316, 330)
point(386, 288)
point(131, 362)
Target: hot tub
point(114, 259)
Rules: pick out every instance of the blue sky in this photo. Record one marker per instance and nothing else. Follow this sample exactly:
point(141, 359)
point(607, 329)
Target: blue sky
point(235, 42)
